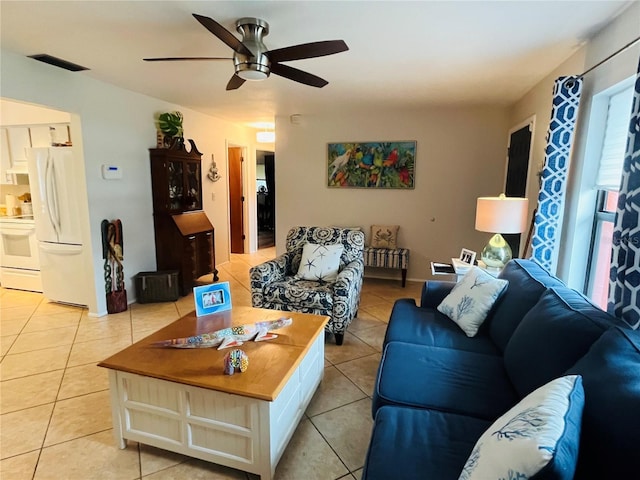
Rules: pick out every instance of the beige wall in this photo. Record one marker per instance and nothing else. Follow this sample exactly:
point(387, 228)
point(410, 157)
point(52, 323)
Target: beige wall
point(460, 156)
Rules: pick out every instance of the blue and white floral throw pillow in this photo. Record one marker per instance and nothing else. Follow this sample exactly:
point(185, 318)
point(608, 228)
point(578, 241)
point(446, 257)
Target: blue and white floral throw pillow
point(540, 435)
point(320, 262)
point(470, 301)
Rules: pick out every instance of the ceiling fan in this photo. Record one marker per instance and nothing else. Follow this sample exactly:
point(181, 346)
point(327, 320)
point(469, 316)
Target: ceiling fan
point(252, 59)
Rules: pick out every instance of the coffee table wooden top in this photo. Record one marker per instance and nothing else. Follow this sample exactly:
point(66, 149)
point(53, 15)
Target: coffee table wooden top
point(271, 362)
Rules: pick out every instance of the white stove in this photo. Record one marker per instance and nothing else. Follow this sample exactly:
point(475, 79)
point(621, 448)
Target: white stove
point(19, 258)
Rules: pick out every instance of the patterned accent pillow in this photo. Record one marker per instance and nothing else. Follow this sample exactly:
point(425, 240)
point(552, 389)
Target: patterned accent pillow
point(320, 262)
point(470, 301)
point(540, 435)
point(384, 236)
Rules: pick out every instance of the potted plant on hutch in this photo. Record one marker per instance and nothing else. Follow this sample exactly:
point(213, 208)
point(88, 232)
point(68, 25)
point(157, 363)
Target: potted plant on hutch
point(169, 129)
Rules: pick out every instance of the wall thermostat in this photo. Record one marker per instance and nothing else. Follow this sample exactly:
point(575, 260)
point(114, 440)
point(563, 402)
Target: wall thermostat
point(111, 172)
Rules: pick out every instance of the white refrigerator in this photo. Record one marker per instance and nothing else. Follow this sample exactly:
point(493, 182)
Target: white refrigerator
point(53, 184)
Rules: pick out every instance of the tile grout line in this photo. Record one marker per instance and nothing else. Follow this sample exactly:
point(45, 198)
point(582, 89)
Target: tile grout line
point(64, 370)
point(23, 327)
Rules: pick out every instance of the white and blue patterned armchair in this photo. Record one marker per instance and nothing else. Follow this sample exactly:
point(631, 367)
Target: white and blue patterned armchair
point(274, 284)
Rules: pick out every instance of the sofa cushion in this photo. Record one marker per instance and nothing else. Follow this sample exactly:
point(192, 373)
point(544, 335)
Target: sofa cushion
point(552, 336)
point(414, 444)
point(538, 438)
point(426, 326)
point(443, 379)
point(610, 424)
point(527, 281)
point(471, 299)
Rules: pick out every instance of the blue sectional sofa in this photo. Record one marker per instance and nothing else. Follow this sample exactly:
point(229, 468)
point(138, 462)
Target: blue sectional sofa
point(438, 390)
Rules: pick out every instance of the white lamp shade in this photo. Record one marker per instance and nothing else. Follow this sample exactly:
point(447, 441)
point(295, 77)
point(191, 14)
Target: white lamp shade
point(502, 214)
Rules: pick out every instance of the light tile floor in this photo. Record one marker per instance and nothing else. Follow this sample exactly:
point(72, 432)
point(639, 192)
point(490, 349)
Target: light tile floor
point(55, 417)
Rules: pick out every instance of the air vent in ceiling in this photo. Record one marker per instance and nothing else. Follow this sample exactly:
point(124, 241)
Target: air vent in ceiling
point(58, 62)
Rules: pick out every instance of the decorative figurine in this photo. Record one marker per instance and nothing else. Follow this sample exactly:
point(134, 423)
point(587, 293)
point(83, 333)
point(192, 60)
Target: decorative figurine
point(229, 337)
point(235, 359)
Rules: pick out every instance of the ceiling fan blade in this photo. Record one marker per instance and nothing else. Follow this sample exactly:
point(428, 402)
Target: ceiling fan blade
point(307, 50)
point(235, 82)
point(297, 75)
point(180, 59)
point(223, 34)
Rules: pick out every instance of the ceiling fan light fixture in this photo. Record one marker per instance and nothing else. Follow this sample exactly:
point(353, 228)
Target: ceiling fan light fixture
point(253, 75)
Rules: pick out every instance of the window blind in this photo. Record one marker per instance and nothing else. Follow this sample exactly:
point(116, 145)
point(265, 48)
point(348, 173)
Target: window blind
point(615, 140)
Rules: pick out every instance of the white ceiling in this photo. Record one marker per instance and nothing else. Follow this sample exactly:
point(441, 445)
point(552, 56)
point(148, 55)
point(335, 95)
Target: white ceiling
point(401, 54)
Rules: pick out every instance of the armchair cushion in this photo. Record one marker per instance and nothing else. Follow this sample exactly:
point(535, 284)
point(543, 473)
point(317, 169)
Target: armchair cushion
point(320, 262)
point(298, 293)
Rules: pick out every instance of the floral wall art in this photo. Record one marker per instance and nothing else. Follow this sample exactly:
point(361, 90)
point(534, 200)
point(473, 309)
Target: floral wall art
point(371, 164)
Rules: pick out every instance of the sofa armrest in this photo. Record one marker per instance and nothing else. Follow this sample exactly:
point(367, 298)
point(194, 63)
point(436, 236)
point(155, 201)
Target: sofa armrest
point(434, 291)
point(265, 273)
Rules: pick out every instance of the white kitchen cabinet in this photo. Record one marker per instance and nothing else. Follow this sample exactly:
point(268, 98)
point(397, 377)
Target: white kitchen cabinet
point(5, 159)
point(50, 134)
point(40, 136)
point(60, 133)
point(19, 142)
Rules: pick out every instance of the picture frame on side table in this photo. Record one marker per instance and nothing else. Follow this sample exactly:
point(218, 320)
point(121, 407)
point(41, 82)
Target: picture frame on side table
point(467, 256)
point(212, 298)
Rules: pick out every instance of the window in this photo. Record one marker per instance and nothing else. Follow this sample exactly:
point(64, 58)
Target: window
point(608, 183)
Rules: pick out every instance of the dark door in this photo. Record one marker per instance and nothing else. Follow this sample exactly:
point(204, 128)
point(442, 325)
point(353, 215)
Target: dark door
point(236, 200)
point(517, 169)
point(269, 170)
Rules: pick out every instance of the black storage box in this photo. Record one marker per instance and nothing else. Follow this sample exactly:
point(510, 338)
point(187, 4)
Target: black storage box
point(157, 286)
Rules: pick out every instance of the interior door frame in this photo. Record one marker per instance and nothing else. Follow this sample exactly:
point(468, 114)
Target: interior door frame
point(246, 208)
point(531, 122)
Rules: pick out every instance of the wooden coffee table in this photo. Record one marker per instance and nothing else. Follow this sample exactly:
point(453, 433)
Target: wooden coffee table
point(180, 400)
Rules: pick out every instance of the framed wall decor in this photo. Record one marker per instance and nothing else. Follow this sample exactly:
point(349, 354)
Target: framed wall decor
point(212, 298)
point(371, 164)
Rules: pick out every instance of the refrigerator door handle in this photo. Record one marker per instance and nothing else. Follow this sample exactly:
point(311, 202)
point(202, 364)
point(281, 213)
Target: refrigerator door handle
point(52, 195)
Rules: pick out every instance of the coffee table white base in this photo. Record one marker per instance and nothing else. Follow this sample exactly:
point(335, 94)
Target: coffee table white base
point(233, 430)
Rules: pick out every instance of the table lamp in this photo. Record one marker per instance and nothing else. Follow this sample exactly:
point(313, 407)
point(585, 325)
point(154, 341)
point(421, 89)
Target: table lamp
point(500, 215)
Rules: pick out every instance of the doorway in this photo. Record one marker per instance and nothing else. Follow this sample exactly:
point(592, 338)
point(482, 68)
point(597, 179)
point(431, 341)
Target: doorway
point(519, 152)
point(266, 202)
point(236, 199)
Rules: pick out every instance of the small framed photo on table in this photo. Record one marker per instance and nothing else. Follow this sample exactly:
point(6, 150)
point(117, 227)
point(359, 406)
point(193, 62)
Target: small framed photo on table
point(212, 298)
point(467, 256)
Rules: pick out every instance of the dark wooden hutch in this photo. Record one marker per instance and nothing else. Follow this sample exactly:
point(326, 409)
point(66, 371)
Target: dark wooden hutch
point(184, 235)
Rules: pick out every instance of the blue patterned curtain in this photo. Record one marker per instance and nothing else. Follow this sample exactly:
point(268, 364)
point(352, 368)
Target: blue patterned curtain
point(624, 291)
point(547, 226)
